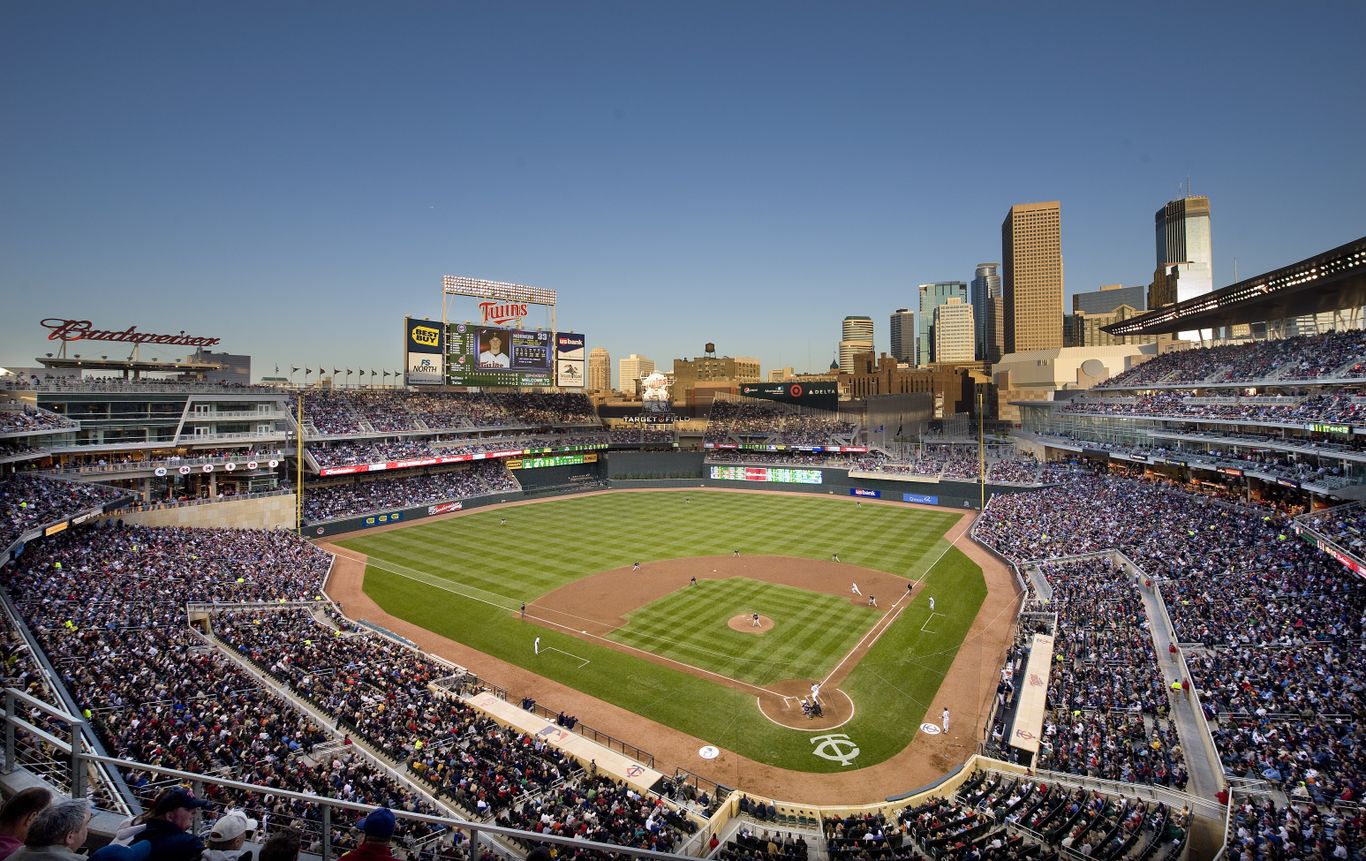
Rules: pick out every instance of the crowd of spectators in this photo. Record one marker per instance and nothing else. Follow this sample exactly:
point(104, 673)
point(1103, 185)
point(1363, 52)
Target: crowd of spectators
point(327, 502)
point(1341, 407)
point(32, 419)
point(1345, 526)
point(963, 463)
point(1260, 829)
point(107, 605)
point(1235, 580)
point(355, 411)
point(352, 453)
point(381, 691)
point(641, 434)
point(775, 423)
point(30, 501)
point(1307, 357)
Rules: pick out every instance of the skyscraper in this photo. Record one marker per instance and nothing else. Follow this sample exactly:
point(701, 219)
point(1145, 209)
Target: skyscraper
point(953, 331)
point(986, 286)
point(932, 296)
point(856, 336)
point(1031, 251)
point(1183, 248)
point(599, 370)
point(903, 335)
point(631, 370)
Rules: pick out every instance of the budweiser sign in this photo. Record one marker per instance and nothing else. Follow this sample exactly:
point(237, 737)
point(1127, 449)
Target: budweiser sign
point(82, 330)
point(499, 313)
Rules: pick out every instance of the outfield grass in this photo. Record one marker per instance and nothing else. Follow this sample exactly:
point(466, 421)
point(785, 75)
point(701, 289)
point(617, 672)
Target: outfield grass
point(812, 633)
point(463, 577)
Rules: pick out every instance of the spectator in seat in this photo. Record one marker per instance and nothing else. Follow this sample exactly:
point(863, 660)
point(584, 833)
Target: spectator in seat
point(227, 837)
point(57, 832)
point(17, 816)
point(167, 826)
point(378, 828)
point(283, 845)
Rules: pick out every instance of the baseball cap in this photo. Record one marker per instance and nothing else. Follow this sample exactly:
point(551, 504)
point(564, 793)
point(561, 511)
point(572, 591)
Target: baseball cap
point(118, 852)
point(178, 797)
point(232, 825)
point(380, 823)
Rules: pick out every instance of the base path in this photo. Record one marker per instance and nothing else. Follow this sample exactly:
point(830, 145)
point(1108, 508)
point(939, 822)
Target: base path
point(967, 690)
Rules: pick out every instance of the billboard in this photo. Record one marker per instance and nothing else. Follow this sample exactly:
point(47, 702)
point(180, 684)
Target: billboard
point(489, 356)
point(422, 350)
point(821, 395)
point(569, 360)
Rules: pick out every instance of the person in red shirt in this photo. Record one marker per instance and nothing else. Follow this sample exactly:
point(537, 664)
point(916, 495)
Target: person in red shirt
point(379, 831)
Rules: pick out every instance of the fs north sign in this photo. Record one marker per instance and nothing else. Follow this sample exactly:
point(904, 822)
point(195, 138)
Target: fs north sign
point(83, 330)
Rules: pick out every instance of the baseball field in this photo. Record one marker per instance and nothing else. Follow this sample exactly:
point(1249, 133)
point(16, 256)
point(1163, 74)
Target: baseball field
point(741, 602)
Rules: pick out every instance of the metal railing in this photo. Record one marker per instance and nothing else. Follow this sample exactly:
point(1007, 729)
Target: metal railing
point(480, 834)
point(610, 742)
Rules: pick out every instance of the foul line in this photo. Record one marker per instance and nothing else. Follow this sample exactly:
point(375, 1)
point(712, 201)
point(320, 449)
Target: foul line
point(448, 586)
point(585, 663)
point(879, 629)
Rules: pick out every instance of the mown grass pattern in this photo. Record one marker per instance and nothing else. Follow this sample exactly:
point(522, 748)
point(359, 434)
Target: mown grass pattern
point(811, 631)
point(463, 578)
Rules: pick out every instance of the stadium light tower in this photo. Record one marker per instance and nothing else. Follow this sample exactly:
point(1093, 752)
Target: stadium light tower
point(501, 291)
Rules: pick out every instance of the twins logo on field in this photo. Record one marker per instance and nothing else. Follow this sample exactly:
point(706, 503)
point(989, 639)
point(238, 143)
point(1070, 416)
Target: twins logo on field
point(836, 747)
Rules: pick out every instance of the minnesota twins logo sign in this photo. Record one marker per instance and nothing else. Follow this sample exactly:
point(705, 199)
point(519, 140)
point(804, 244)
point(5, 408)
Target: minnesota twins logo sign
point(836, 747)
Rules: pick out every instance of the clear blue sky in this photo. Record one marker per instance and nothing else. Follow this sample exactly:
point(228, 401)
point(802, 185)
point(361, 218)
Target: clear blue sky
point(295, 177)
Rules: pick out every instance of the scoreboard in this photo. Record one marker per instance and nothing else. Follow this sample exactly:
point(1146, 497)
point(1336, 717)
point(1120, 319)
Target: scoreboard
point(489, 356)
point(767, 473)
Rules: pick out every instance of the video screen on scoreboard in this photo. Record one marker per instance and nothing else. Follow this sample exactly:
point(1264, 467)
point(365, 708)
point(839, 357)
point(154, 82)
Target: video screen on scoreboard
point(488, 356)
point(767, 473)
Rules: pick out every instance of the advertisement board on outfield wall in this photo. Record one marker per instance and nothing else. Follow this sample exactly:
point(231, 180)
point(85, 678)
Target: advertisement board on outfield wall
point(865, 492)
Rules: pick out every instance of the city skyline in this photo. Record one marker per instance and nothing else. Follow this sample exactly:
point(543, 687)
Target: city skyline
point(738, 174)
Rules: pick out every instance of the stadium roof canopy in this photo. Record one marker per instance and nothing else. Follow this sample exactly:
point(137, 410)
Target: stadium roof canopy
point(135, 366)
point(1329, 281)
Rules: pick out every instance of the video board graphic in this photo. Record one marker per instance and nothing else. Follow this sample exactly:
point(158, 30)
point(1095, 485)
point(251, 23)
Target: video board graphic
point(489, 356)
point(569, 360)
point(819, 395)
point(423, 345)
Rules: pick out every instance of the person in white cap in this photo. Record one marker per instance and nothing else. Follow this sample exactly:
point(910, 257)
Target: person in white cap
point(228, 835)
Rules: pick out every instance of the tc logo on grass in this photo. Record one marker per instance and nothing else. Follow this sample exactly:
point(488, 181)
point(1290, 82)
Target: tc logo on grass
point(836, 747)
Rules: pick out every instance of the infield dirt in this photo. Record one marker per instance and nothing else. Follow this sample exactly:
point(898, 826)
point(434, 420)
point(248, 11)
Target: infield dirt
point(967, 690)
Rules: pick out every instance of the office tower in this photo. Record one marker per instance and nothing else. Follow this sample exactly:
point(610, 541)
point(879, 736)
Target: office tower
point(599, 370)
point(856, 336)
point(903, 335)
point(932, 296)
point(1031, 253)
point(1184, 251)
point(986, 286)
point(953, 331)
point(631, 370)
point(1109, 297)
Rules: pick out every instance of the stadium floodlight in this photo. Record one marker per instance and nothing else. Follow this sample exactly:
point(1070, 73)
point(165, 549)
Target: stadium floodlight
point(461, 285)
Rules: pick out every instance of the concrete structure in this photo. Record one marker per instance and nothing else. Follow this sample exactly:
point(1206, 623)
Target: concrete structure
point(630, 371)
point(904, 336)
point(777, 375)
point(953, 332)
point(856, 336)
point(932, 296)
point(599, 370)
point(1109, 297)
point(724, 372)
point(1038, 375)
point(986, 306)
point(1085, 330)
point(1031, 250)
point(950, 387)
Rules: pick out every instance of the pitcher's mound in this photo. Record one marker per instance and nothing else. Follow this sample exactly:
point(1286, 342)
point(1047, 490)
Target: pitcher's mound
point(744, 623)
